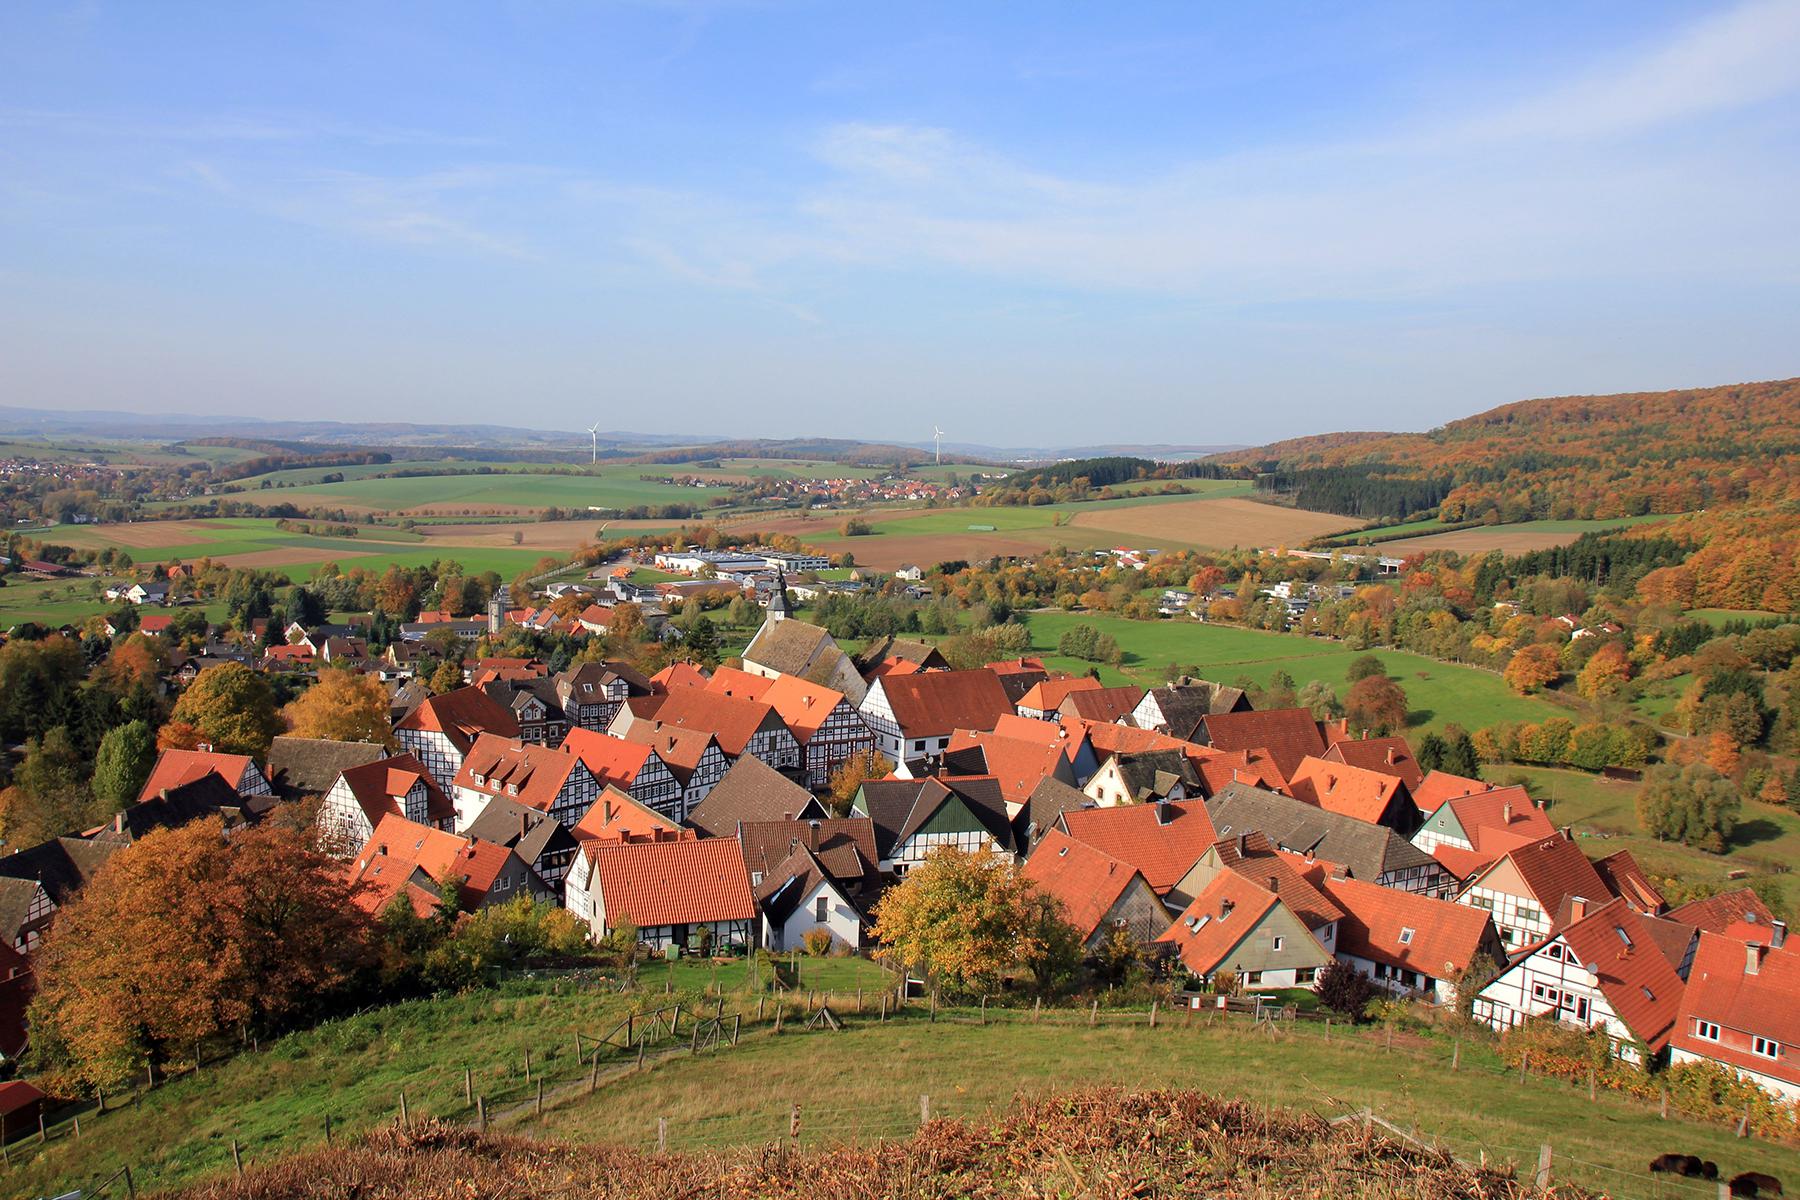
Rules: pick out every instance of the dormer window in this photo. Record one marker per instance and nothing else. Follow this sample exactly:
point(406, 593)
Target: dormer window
point(478, 779)
point(1767, 1047)
point(1707, 1031)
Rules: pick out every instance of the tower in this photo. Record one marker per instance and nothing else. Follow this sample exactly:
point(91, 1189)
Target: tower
point(497, 606)
point(778, 605)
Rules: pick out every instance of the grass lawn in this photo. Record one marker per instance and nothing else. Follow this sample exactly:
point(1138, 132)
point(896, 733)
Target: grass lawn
point(1438, 692)
point(1656, 700)
point(1718, 616)
point(1765, 845)
point(865, 1083)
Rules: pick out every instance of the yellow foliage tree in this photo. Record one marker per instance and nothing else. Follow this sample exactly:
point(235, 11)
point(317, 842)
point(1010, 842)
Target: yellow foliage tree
point(342, 706)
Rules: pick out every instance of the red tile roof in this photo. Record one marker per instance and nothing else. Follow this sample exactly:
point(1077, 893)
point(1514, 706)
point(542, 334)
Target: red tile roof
point(1048, 696)
point(462, 716)
point(177, 767)
point(732, 720)
point(380, 788)
point(398, 847)
point(1087, 881)
point(1639, 984)
point(1252, 767)
point(1220, 917)
point(1017, 764)
point(1555, 869)
point(1501, 819)
point(1740, 914)
point(1103, 704)
point(678, 675)
point(680, 749)
point(1288, 734)
point(533, 775)
point(1439, 786)
point(1388, 755)
point(1133, 833)
point(1254, 857)
point(1626, 879)
point(674, 883)
point(1406, 929)
point(937, 703)
point(1721, 989)
point(609, 759)
point(1348, 791)
point(802, 705)
point(616, 817)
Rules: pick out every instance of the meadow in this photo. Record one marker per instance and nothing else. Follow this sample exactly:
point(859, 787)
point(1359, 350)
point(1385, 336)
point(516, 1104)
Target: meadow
point(1439, 693)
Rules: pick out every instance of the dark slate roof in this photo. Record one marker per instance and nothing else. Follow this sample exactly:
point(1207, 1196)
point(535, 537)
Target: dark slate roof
point(845, 851)
point(790, 881)
point(309, 766)
point(883, 648)
point(1152, 774)
point(61, 864)
point(899, 808)
point(1049, 800)
point(531, 833)
point(751, 791)
point(1367, 850)
point(174, 807)
point(1186, 701)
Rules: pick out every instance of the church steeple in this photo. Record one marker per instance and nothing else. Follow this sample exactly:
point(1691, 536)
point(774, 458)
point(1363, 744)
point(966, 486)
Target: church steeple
point(778, 605)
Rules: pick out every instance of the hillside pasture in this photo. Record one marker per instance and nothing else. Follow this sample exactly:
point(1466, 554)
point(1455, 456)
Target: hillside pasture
point(1517, 538)
point(1214, 523)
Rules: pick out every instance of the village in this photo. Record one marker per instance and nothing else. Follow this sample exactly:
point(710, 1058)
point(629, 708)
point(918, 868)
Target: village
point(778, 800)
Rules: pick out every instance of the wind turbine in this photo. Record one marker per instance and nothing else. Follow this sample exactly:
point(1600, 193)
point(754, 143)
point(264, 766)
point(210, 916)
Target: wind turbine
point(937, 436)
point(594, 435)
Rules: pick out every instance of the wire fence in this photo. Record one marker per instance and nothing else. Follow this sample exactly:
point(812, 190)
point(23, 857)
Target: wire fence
point(593, 1059)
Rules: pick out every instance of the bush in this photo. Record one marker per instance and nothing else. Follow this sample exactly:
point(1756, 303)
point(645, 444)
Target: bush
point(817, 942)
point(1344, 989)
point(1694, 805)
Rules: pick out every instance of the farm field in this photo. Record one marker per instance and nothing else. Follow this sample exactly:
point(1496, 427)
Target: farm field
point(1215, 523)
point(256, 542)
point(494, 493)
point(1508, 539)
point(1439, 693)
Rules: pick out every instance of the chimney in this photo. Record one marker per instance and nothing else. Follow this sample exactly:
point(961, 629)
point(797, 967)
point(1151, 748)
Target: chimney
point(1163, 813)
point(524, 825)
point(1752, 958)
point(1225, 907)
point(1243, 844)
point(1777, 934)
point(1506, 813)
point(119, 822)
point(1392, 756)
point(1577, 908)
point(1275, 883)
point(812, 836)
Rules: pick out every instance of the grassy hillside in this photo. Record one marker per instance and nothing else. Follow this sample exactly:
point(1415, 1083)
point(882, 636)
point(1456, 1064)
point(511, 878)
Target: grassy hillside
point(856, 1086)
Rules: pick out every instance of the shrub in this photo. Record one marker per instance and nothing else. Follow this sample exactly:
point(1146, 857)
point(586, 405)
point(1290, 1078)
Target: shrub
point(1344, 989)
point(817, 942)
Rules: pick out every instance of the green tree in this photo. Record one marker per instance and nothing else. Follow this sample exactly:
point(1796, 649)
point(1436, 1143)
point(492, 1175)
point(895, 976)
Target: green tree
point(702, 642)
point(122, 763)
point(1694, 805)
point(1365, 667)
point(51, 786)
point(1320, 699)
point(233, 707)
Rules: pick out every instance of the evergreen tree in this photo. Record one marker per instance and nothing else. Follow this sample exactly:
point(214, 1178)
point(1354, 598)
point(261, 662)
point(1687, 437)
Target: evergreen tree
point(122, 763)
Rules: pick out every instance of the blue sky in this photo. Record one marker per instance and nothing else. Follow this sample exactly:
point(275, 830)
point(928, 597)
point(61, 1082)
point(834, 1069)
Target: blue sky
point(1031, 224)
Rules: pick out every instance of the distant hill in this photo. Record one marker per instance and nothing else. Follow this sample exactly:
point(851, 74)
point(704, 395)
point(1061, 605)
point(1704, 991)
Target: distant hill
point(1563, 457)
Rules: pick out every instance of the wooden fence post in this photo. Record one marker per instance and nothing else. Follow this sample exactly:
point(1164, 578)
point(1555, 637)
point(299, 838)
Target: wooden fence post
point(1543, 1170)
point(1593, 1085)
point(130, 1187)
point(984, 1008)
point(481, 1112)
point(403, 1120)
point(934, 1004)
point(1743, 1126)
point(640, 1062)
point(469, 1085)
point(1328, 1029)
point(662, 1134)
point(794, 1126)
point(327, 1131)
point(1524, 1065)
point(78, 1125)
point(237, 1161)
point(1456, 1055)
point(759, 1008)
point(1663, 1107)
point(528, 1066)
point(43, 1130)
point(1388, 1048)
point(1094, 1015)
point(924, 1109)
point(1037, 1010)
point(858, 999)
point(778, 1008)
point(884, 1006)
point(1153, 1014)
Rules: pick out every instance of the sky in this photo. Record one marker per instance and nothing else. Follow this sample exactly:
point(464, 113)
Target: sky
point(1031, 225)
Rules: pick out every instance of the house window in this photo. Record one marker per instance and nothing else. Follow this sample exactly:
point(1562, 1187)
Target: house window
point(1767, 1047)
point(1253, 978)
point(1706, 1031)
point(819, 909)
point(1278, 941)
point(1306, 975)
point(918, 745)
point(1406, 937)
point(1553, 952)
point(1486, 902)
point(1528, 913)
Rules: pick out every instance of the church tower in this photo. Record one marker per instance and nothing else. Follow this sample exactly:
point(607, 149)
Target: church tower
point(497, 606)
point(778, 604)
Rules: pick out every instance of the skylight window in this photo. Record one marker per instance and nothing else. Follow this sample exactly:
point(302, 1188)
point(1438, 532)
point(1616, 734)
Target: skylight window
point(1406, 936)
point(1623, 936)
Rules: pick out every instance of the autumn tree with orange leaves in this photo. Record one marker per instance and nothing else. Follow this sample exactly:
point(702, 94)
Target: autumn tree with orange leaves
point(342, 706)
point(181, 940)
point(1532, 667)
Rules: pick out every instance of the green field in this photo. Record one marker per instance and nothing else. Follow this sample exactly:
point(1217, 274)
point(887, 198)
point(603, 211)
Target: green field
point(1719, 616)
point(1438, 692)
point(1431, 525)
